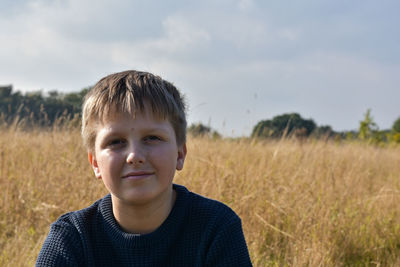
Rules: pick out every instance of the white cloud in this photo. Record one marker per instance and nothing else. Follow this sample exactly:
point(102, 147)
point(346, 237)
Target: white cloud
point(245, 4)
point(179, 38)
point(289, 34)
point(181, 35)
point(244, 32)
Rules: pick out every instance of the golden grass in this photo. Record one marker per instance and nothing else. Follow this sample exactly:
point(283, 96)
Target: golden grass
point(306, 203)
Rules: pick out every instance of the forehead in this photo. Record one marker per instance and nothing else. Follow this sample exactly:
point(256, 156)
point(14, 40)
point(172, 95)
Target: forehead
point(116, 113)
point(145, 119)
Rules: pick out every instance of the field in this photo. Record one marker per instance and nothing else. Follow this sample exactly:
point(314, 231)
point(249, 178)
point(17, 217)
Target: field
point(302, 203)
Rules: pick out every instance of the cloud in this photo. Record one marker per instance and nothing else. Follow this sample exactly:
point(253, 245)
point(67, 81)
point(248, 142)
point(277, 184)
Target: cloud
point(245, 4)
point(179, 39)
point(181, 35)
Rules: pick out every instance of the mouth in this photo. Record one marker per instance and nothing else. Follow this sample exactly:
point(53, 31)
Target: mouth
point(137, 175)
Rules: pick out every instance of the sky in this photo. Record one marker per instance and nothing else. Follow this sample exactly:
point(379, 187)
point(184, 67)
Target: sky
point(236, 61)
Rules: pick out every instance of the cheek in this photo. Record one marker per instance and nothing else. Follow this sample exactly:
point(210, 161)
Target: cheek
point(110, 164)
point(164, 158)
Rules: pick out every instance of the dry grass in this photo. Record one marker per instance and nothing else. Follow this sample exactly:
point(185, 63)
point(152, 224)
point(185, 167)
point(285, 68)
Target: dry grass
point(301, 203)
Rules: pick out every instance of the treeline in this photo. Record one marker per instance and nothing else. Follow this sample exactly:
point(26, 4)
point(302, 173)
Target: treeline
point(292, 125)
point(38, 109)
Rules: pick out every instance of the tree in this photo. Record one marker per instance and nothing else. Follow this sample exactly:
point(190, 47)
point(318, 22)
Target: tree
point(5, 91)
point(286, 124)
point(396, 131)
point(367, 126)
point(34, 108)
point(323, 131)
point(199, 129)
point(396, 126)
point(10, 103)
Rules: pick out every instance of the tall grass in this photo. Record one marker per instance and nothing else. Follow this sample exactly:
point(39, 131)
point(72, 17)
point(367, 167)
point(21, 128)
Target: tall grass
point(306, 203)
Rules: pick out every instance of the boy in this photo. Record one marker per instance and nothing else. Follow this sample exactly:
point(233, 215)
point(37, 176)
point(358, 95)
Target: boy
point(134, 128)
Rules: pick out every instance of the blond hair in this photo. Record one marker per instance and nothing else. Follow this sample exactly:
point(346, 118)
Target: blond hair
point(129, 92)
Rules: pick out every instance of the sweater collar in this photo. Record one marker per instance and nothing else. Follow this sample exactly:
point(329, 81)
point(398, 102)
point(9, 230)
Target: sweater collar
point(165, 231)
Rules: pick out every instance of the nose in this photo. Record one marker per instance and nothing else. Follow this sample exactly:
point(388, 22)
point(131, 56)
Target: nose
point(136, 156)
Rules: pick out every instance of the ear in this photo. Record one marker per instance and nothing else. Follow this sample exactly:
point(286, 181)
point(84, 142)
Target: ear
point(93, 162)
point(181, 157)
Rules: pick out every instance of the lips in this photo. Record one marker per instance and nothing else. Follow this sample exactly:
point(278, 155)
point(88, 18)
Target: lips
point(137, 175)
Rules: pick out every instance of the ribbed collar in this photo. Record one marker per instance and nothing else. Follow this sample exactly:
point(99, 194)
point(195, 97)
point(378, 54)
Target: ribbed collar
point(162, 234)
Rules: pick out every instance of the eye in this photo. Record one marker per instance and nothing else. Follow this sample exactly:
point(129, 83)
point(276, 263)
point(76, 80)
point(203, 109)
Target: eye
point(116, 142)
point(152, 138)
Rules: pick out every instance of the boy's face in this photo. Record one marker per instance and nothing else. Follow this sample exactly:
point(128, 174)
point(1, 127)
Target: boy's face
point(137, 157)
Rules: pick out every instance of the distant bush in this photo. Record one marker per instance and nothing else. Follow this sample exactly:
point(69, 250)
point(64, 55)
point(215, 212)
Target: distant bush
point(396, 126)
point(200, 130)
point(284, 125)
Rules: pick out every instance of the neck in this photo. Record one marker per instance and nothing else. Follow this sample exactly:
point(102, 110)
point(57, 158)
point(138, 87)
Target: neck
point(143, 218)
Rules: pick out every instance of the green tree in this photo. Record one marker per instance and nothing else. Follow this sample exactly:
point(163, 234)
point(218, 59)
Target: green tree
point(199, 129)
point(395, 135)
point(5, 91)
point(396, 126)
point(34, 108)
point(323, 131)
point(367, 127)
point(286, 124)
point(10, 103)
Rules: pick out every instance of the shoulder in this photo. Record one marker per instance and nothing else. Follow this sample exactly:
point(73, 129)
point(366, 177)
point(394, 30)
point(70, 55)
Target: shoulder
point(80, 217)
point(78, 224)
point(218, 228)
point(202, 203)
point(65, 243)
point(207, 210)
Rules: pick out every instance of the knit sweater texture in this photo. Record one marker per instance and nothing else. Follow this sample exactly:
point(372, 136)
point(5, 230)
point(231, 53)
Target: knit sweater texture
point(198, 232)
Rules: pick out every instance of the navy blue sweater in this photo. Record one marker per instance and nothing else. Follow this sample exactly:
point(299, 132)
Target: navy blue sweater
point(197, 232)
